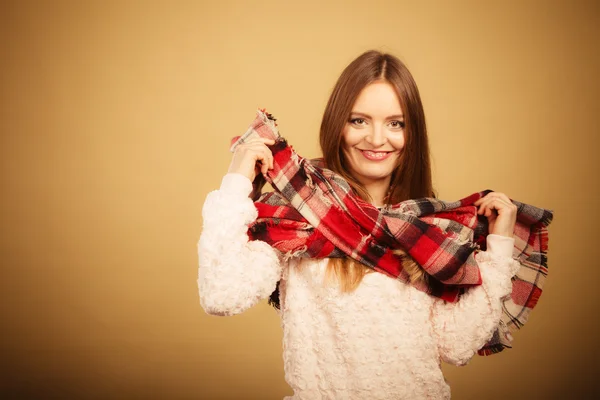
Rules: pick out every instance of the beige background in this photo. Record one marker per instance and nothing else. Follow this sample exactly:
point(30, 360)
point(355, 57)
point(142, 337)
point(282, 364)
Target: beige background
point(115, 123)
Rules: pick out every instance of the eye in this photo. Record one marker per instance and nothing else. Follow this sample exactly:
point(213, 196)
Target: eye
point(358, 121)
point(397, 124)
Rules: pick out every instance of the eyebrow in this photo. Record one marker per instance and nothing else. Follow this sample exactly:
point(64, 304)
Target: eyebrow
point(397, 116)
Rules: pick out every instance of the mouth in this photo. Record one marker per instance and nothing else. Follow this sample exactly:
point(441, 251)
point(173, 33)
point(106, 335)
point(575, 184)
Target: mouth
point(375, 155)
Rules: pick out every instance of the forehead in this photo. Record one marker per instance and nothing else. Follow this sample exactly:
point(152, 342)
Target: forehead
point(378, 99)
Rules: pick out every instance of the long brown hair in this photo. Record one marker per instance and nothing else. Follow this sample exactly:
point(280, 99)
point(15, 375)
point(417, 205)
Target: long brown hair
point(412, 176)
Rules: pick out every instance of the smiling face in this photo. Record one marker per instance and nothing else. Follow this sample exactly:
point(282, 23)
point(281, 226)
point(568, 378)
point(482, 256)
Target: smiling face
point(373, 137)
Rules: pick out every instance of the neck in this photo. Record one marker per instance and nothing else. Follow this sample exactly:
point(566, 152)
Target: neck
point(377, 189)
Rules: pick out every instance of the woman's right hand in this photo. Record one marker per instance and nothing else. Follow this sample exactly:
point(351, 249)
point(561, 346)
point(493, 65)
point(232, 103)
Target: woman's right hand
point(252, 157)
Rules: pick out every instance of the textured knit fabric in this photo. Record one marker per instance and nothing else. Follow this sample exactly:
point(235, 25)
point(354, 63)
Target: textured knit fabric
point(385, 340)
point(313, 213)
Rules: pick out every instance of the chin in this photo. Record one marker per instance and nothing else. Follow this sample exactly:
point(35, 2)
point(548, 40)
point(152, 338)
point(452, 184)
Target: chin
point(371, 172)
point(373, 176)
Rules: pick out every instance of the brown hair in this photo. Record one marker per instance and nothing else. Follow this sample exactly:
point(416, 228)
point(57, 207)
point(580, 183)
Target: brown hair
point(412, 176)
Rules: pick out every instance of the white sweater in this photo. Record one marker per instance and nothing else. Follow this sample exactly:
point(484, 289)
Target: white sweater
point(385, 340)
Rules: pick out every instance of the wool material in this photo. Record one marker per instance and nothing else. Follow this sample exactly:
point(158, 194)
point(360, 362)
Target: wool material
point(385, 340)
point(313, 213)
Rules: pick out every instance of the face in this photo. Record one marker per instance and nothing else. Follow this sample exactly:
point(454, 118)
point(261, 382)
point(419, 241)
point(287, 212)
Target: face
point(373, 137)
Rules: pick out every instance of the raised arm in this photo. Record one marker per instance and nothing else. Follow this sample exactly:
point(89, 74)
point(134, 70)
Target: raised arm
point(464, 327)
point(234, 273)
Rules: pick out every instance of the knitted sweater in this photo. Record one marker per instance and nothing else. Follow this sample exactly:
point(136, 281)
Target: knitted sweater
point(385, 340)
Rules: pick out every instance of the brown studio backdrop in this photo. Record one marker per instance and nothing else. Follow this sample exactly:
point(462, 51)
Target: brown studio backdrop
point(115, 123)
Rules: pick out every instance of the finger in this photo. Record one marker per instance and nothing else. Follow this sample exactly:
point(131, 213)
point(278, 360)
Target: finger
point(254, 141)
point(259, 140)
point(265, 169)
point(260, 166)
point(266, 159)
point(486, 206)
point(481, 199)
point(505, 198)
point(271, 161)
point(490, 198)
point(263, 153)
point(253, 147)
point(501, 196)
point(268, 140)
point(484, 209)
point(488, 202)
point(256, 138)
point(260, 152)
point(482, 205)
point(501, 201)
point(269, 155)
point(490, 212)
point(481, 209)
point(484, 198)
point(498, 205)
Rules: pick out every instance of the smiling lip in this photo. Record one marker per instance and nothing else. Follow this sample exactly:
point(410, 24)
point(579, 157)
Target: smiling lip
point(375, 155)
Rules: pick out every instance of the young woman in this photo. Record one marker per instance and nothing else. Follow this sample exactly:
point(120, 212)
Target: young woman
point(348, 333)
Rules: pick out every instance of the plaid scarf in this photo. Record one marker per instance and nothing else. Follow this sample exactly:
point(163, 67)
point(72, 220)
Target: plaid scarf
point(314, 213)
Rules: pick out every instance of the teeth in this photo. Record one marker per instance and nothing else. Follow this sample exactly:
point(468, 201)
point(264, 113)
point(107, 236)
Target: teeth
point(373, 154)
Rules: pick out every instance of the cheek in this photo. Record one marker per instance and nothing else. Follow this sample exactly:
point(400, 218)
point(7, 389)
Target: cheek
point(348, 155)
point(398, 142)
point(351, 137)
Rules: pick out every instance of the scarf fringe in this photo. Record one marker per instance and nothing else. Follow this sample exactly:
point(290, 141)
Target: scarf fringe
point(493, 349)
point(293, 253)
point(305, 192)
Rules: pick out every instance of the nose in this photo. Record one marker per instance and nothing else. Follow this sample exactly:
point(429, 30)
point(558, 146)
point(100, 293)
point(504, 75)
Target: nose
point(376, 136)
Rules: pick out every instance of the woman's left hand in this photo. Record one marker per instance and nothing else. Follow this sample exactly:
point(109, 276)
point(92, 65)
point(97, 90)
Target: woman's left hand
point(500, 212)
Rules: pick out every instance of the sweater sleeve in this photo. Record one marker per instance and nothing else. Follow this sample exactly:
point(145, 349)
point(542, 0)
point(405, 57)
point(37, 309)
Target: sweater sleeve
point(464, 327)
point(234, 273)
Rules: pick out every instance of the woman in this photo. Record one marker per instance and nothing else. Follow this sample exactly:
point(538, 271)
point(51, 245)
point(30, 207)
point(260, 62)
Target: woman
point(348, 333)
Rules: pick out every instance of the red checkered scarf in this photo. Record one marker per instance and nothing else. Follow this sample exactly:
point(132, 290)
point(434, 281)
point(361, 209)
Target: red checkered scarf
point(314, 213)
